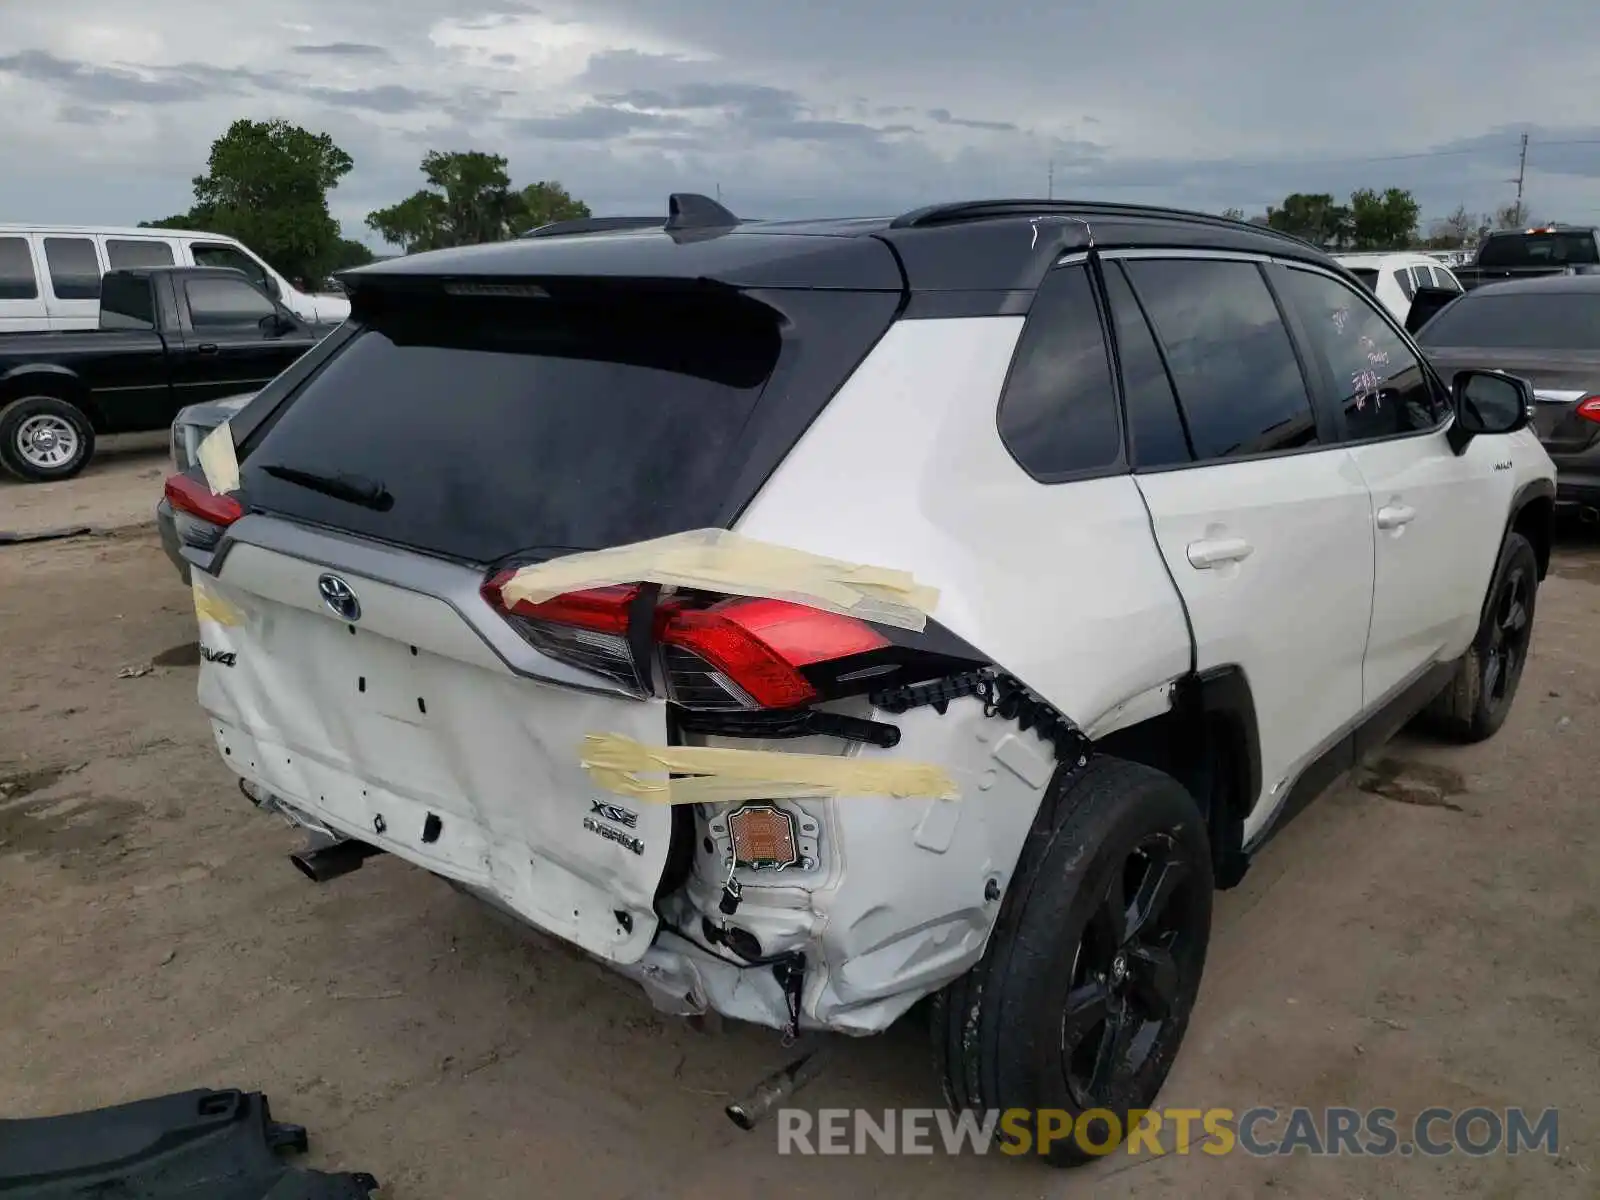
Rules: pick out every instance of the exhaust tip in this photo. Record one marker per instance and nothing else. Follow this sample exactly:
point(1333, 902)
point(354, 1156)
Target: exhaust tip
point(330, 862)
point(740, 1117)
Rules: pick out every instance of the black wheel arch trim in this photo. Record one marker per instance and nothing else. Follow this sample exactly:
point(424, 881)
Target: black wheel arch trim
point(1529, 493)
point(1206, 698)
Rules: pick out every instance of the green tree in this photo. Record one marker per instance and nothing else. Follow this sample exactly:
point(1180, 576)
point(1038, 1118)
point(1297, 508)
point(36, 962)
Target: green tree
point(347, 253)
point(267, 184)
point(469, 199)
point(545, 202)
point(1384, 220)
point(1312, 216)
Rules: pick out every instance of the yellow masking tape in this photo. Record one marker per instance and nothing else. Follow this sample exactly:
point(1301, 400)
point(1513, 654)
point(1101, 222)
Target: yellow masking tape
point(218, 460)
point(720, 775)
point(208, 606)
point(719, 561)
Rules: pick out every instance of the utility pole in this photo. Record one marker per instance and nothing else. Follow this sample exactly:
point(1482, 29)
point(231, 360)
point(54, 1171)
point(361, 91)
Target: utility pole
point(719, 193)
point(1522, 170)
point(1050, 181)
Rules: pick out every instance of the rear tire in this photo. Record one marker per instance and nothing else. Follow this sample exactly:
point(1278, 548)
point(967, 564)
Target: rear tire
point(1477, 700)
point(44, 438)
point(1083, 995)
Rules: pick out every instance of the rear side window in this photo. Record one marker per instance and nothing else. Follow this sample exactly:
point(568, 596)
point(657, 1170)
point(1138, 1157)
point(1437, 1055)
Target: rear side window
point(1381, 385)
point(1154, 423)
point(506, 426)
point(1368, 277)
point(226, 304)
point(126, 303)
point(16, 270)
point(74, 268)
point(137, 252)
point(1518, 321)
point(1407, 283)
point(1230, 356)
point(1058, 416)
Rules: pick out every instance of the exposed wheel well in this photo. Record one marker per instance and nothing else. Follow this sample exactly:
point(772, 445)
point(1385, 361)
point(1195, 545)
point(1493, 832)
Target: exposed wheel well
point(1208, 742)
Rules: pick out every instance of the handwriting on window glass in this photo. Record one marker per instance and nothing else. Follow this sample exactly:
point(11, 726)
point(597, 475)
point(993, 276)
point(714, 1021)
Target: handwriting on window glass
point(1341, 317)
point(1366, 385)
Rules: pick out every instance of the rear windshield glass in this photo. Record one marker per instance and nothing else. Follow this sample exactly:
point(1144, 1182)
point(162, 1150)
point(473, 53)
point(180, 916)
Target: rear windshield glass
point(1530, 321)
point(1539, 249)
point(505, 426)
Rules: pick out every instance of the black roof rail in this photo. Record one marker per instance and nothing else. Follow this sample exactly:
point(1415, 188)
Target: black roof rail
point(592, 225)
point(978, 210)
point(690, 210)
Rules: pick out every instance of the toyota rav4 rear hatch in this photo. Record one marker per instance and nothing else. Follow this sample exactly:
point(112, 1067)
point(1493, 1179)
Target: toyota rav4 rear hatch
point(358, 661)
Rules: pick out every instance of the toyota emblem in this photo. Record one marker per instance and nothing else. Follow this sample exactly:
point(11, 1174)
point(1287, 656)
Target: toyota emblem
point(341, 601)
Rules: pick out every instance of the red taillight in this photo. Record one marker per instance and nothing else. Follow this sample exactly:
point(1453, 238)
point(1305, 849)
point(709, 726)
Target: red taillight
point(588, 629)
point(190, 496)
point(739, 653)
point(1589, 409)
point(760, 645)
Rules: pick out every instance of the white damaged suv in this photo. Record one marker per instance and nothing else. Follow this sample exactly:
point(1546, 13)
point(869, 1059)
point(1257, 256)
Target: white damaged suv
point(1193, 524)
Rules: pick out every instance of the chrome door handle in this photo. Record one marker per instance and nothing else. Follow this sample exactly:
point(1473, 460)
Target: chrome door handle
point(1393, 516)
point(1214, 552)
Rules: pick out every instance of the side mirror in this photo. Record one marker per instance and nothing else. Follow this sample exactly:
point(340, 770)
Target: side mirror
point(279, 324)
point(1488, 402)
point(1425, 304)
point(271, 286)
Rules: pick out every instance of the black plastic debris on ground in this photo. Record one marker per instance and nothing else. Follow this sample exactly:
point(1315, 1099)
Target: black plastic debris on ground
point(215, 1145)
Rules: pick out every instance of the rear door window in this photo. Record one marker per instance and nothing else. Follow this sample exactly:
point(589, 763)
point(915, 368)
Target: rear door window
point(506, 426)
point(1058, 415)
point(1154, 424)
point(1230, 356)
point(17, 280)
point(1407, 284)
point(74, 268)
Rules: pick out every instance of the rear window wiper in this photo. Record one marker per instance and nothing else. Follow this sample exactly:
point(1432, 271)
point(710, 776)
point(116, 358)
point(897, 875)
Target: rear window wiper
point(357, 489)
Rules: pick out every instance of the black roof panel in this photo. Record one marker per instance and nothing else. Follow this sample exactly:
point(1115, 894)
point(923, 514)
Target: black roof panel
point(994, 245)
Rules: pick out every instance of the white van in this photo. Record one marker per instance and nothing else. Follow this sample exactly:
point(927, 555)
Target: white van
point(50, 274)
point(1395, 277)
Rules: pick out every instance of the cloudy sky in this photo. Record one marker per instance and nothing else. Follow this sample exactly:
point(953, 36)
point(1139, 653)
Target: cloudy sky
point(799, 108)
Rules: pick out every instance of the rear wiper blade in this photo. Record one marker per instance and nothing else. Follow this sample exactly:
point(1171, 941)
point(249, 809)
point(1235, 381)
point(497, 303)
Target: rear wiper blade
point(357, 489)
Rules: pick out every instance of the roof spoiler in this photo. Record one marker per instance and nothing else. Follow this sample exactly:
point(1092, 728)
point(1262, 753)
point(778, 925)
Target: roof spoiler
point(685, 211)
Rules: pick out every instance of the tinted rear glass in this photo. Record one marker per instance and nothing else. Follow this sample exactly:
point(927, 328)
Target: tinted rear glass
point(1539, 249)
point(1531, 321)
point(1368, 277)
point(506, 426)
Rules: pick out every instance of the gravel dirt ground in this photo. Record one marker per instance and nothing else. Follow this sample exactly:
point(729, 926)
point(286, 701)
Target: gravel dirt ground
point(1431, 941)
